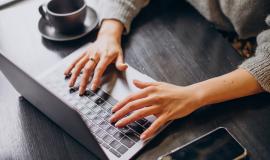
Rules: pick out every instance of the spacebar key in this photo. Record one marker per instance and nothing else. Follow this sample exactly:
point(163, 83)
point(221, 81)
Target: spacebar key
point(127, 142)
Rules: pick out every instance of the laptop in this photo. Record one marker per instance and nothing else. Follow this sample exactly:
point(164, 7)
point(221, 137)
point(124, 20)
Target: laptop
point(85, 117)
point(4, 3)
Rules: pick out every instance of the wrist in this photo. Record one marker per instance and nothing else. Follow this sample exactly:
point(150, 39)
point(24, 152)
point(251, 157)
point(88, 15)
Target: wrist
point(111, 28)
point(199, 95)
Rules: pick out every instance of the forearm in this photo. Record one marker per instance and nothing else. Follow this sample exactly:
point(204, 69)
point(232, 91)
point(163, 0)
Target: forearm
point(236, 84)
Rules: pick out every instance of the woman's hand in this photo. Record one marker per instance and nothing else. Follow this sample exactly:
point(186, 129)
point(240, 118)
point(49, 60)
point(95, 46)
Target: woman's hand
point(104, 51)
point(166, 101)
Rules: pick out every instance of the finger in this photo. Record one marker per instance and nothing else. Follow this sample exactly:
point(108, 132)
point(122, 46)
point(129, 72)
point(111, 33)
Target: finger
point(73, 64)
point(141, 94)
point(79, 66)
point(88, 70)
point(141, 85)
point(100, 69)
point(139, 114)
point(130, 107)
point(159, 122)
point(120, 65)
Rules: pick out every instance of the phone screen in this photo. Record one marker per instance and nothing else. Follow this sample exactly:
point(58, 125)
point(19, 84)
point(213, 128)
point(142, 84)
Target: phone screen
point(218, 144)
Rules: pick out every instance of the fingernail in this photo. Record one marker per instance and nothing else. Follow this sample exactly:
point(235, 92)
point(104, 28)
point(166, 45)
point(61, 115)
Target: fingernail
point(143, 136)
point(81, 93)
point(118, 124)
point(112, 119)
point(93, 87)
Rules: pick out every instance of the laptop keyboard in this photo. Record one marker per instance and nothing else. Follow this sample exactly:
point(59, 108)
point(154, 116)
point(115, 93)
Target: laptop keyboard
point(95, 109)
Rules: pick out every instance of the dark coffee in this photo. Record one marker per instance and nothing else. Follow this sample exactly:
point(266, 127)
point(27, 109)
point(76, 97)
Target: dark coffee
point(65, 6)
point(67, 16)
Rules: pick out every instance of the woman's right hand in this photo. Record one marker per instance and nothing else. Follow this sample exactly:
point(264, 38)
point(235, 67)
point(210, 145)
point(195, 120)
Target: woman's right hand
point(104, 51)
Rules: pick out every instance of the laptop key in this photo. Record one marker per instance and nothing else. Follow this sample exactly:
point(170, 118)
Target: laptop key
point(133, 136)
point(99, 141)
point(106, 106)
point(99, 101)
point(115, 144)
point(73, 89)
point(94, 128)
point(118, 135)
point(91, 115)
point(88, 93)
point(91, 104)
point(108, 139)
point(122, 149)
point(107, 118)
point(125, 130)
point(80, 106)
point(103, 114)
point(115, 153)
point(68, 76)
point(85, 100)
point(93, 97)
point(96, 109)
point(105, 145)
point(85, 110)
point(103, 94)
point(107, 97)
point(112, 101)
point(136, 127)
point(97, 120)
point(104, 125)
point(148, 124)
point(100, 133)
point(127, 142)
point(111, 130)
point(142, 121)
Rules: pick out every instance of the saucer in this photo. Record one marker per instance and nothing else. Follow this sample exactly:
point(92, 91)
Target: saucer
point(48, 31)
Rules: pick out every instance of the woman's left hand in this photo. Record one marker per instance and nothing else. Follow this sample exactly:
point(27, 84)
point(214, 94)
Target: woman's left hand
point(165, 101)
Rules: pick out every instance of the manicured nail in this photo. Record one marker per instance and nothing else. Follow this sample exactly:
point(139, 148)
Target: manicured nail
point(143, 136)
point(93, 87)
point(71, 83)
point(118, 124)
point(81, 93)
point(111, 119)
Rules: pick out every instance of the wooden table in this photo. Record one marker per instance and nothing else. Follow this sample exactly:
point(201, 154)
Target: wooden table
point(169, 41)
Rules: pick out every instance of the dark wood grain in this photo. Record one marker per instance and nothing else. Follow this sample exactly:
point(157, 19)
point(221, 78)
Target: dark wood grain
point(169, 41)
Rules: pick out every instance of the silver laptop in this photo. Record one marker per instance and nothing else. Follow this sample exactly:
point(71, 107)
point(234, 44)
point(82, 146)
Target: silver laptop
point(84, 117)
point(7, 2)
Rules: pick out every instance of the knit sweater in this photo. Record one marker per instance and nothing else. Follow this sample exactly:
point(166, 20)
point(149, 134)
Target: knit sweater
point(248, 18)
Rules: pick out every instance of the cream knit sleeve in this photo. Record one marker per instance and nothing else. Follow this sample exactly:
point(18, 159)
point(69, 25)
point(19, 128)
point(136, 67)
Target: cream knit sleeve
point(121, 10)
point(259, 65)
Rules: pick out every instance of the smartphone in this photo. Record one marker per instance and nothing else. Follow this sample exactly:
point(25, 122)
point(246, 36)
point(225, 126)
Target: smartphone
point(217, 144)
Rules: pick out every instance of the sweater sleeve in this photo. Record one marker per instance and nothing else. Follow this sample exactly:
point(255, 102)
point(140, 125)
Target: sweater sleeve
point(122, 10)
point(259, 65)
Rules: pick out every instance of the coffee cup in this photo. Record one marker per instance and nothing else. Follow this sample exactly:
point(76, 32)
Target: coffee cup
point(66, 16)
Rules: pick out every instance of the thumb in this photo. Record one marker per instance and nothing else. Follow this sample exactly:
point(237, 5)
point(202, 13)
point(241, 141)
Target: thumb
point(120, 65)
